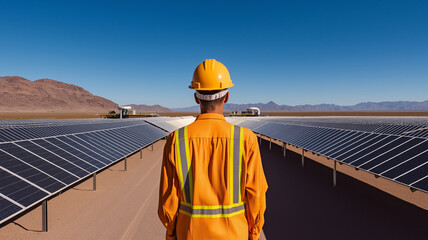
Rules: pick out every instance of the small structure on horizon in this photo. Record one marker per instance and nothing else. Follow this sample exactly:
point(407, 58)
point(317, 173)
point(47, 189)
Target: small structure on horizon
point(126, 112)
point(251, 111)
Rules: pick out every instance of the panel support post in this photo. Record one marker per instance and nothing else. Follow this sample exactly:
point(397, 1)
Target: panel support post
point(303, 157)
point(260, 139)
point(126, 163)
point(141, 154)
point(94, 181)
point(270, 143)
point(334, 173)
point(45, 216)
point(284, 146)
point(152, 147)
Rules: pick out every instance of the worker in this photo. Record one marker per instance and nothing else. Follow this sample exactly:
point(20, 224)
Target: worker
point(212, 181)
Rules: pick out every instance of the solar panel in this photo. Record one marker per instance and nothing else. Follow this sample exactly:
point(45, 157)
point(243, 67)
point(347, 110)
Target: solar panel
point(170, 124)
point(22, 192)
point(7, 208)
point(39, 158)
point(21, 130)
point(395, 148)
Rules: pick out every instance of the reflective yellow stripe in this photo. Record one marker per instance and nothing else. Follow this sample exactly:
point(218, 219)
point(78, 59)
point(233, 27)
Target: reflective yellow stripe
point(211, 211)
point(211, 216)
point(189, 161)
point(241, 147)
point(180, 173)
point(212, 207)
point(232, 130)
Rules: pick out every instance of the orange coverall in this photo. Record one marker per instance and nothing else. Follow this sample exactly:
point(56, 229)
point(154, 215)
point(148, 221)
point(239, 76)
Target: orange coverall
point(212, 182)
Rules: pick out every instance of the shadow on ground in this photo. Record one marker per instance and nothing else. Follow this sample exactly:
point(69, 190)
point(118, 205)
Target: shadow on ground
point(26, 229)
point(302, 204)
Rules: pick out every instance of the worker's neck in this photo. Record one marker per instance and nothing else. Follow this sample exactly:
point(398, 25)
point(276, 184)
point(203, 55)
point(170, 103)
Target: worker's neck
point(218, 110)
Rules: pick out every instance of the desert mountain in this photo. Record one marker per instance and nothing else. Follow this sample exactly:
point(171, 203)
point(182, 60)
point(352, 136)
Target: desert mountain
point(148, 108)
point(18, 94)
point(366, 106)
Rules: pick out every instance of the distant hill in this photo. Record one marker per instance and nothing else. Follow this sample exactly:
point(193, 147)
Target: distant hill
point(148, 108)
point(18, 94)
point(395, 106)
point(366, 106)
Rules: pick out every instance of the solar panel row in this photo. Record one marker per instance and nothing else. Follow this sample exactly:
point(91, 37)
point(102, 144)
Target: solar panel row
point(48, 128)
point(396, 126)
point(34, 169)
point(400, 158)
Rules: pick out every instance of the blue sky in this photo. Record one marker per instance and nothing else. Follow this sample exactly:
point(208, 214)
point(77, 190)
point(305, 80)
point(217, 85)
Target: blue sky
point(290, 52)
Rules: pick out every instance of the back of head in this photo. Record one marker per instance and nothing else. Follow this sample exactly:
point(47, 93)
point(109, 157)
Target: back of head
point(211, 105)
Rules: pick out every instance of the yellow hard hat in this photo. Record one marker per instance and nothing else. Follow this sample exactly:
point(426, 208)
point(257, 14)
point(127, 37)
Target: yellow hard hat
point(211, 75)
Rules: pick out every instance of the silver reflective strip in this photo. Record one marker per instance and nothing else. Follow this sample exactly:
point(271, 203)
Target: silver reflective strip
point(184, 168)
point(214, 211)
point(236, 158)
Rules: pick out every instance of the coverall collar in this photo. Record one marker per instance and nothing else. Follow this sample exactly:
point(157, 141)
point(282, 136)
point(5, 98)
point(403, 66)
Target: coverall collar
point(206, 116)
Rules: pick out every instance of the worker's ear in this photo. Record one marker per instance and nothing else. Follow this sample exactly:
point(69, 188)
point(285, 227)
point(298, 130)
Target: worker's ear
point(196, 99)
point(226, 98)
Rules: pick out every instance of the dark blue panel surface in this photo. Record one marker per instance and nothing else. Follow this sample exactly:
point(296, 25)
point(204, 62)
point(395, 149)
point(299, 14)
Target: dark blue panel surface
point(354, 145)
point(76, 151)
point(373, 163)
point(19, 190)
point(38, 163)
point(370, 147)
point(110, 143)
point(328, 139)
point(31, 174)
point(55, 159)
point(381, 151)
point(399, 159)
point(417, 173)
point(412, 166)
point(422, 184)
point(121, 137)
point(339, 143)
point(79, 162)
point(88, 148)
point(102, 146)
point(7, 208)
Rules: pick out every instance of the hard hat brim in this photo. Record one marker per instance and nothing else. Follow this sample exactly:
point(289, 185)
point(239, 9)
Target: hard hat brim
point(211, 89)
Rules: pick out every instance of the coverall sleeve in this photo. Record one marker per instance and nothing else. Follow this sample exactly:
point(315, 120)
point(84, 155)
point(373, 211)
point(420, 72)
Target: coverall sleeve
point(255, 192)
point(168, 194)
